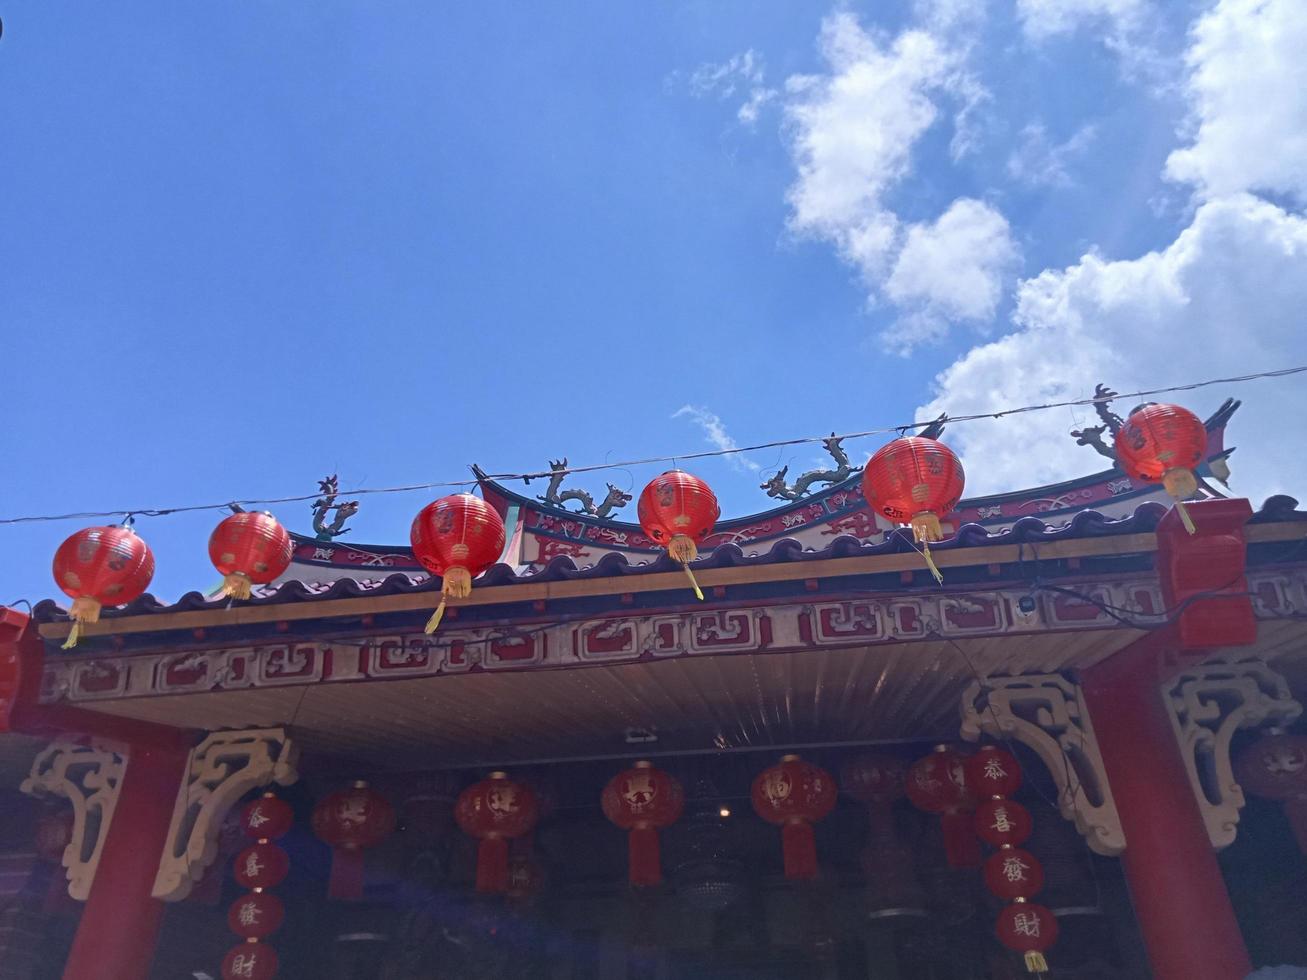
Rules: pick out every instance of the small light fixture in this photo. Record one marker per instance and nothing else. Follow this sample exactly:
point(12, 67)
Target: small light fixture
point(724, 812)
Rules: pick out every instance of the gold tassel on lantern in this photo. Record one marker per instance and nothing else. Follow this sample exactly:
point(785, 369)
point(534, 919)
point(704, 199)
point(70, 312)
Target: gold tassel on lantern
point(85, 610)
point(1035, 962)
point(682, 549)
point(1181, 484)
point(237, 585)
point(925, 529)
point(456, 583)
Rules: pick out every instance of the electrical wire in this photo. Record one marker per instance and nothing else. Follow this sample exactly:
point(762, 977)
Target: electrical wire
point(528, 476)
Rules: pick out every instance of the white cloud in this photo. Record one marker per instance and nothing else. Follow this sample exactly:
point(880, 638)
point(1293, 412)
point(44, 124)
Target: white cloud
point(1042, 19)
point(743, 75)
point(851, 134)
point(1040, 163)
point(1248, 84)
point(1226, 297)
point(714, 431)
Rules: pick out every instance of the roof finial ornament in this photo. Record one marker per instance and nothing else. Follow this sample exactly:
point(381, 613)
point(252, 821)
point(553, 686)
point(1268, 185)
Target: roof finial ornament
point(1092, 435)
point(324, 505)
point(778, 488)
point(615, 500)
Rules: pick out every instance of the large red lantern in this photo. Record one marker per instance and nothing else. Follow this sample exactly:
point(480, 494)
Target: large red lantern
point(1012, 873)
point(250, 961)
point(914, 480)
point(678, 510)
point(937, 783)
point(1275, 767)
point(643, 800)
point(1025, 927)
point(1003, 823)
point(256, 915)
point(101, 566)
point(456, 537)
point(495, 811)
point(1164, 444)
point(249, 549)
point(351, 820)
point(262, 865)
point(795, 794)
point(267, 818)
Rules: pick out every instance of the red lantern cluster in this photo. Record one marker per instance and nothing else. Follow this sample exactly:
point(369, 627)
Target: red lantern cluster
point(914, 480)
point(678, 510)
point(1011, 872)
point(249, 549)
point(795, 794)
point(457, 538)
point(258, 914)
point(937, 784)
point(495, 811)
point(643, 800)
point(101, 566)
point(350, 821)
point(1164, 444)
point(1275, 767)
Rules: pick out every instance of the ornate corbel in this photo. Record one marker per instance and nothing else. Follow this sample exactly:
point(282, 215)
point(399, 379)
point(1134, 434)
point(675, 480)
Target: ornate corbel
point(221, 769)
point(1046, 713)
point(1208, 704)
point(87, 772)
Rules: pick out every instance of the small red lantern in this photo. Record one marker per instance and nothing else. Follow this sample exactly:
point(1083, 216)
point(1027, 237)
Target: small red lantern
point(249, 549)
point(993, 772)
point(1013, 873)
point(267, 818)
point(101, 566)
point(456, 537)
point(1164, 444)
point(250, 961)
point(678, 510)
point(795, 794)
point(495, 810)
point(914, 480)
point(1003, 823)
point(937, 784)
point(256, 915)
point(1275, 767)
point(643, 800)
point(875, 779)
point(262, 865)
point(1025, 927)
point(351, 820)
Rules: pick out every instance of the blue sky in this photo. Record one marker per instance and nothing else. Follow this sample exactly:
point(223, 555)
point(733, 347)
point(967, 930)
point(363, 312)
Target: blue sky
point(243, 246)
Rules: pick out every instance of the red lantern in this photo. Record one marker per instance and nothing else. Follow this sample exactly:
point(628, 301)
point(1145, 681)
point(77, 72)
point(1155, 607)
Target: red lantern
point(1003, 823)
point(495, 810)
point(876, 780)
point(678, 510)
point(795, 794)
point(351, 820)
point(267, 818)
point(1013, 873)
point(262, 865)
point(1275, 766)
point(101, 566)
point(250, 961)
point(1164, 444)
point(456, 537)
point(249, 548)
point(1025, 927)
point(643, 800)
point(256, 915)
point(937, 783)
point(914, 480)
point(993, 772)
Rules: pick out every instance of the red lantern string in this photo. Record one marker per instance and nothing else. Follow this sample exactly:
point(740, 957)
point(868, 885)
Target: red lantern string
point(350, 821)
point(495, 811)
point(795, 794)
point(457, 538)
point(678, 510)
point(937, 783)
point(1164, 444)
point(258, 914)
point(1011, 872)
point(101, 566)
point(915, 480)
point(249, 549)
point(643, 800)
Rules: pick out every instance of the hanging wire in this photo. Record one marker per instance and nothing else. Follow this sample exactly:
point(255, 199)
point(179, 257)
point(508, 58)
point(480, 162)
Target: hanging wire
point(649, 460)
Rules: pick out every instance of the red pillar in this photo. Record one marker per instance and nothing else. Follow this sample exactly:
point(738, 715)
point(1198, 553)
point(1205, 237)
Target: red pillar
point(1175, 882)
point(120, 924)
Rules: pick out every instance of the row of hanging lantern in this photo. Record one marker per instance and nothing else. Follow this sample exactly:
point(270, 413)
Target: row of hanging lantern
point(258, 914)
point(912, 480)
